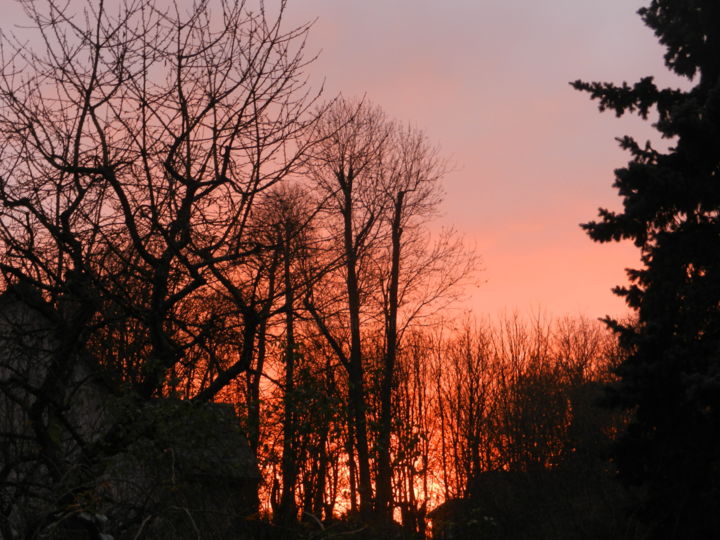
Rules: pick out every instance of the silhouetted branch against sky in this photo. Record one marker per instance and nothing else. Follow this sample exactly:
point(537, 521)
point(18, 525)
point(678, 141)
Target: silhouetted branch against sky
point(488, 81)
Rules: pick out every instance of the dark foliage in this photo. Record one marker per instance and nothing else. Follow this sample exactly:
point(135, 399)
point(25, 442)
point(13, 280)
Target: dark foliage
point(671, 199)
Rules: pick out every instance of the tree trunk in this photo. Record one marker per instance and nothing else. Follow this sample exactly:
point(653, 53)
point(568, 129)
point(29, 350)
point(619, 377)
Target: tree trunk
point(356, 397)
point(288, 507)
point(384, 479)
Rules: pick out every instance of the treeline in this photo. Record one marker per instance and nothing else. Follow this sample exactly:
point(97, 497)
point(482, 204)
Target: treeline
point(515, 395)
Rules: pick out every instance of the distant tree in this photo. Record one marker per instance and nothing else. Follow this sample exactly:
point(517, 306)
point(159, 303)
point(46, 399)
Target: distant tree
point(380, 182)
point(671, 376)
point(415, 274)
point(285, 220)
point(347, 172)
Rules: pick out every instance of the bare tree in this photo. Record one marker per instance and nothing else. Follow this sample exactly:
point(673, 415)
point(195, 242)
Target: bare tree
point(285, 220)
point(347, 171)
point(381, 183)
point(134, 141)
point(415, 273)
point(151, 130)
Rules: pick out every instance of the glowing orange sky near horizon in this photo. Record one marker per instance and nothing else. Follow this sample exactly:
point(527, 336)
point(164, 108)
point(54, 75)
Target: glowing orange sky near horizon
point(488, 81)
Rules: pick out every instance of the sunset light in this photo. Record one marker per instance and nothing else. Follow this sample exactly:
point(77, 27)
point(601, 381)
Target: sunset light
point(488, 82)
point(315, 269)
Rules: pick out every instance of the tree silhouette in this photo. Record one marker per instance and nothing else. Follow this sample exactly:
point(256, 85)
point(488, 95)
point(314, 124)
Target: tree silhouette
point(671, 212)
point(136, 140)
point(152, 130)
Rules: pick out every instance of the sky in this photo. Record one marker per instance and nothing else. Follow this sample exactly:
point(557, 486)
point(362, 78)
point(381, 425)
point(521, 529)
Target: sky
point(487, 80)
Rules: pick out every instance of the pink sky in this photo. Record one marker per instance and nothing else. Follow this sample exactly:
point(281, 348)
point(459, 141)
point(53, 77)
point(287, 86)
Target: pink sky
point(488, 81)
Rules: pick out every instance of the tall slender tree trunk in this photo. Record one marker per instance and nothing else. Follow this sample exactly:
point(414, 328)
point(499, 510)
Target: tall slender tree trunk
point(352, 467)
point(316, 504)
point(357, 396)
point(356, 390)
point(288, 506)
point(254, 378)
point(384, 480)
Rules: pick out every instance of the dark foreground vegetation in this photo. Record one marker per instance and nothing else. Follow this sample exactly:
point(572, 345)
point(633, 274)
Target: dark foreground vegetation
point(223, 310)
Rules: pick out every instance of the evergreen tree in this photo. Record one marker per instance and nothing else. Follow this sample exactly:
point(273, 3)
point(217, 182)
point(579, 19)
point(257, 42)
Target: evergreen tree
point(671, 377)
